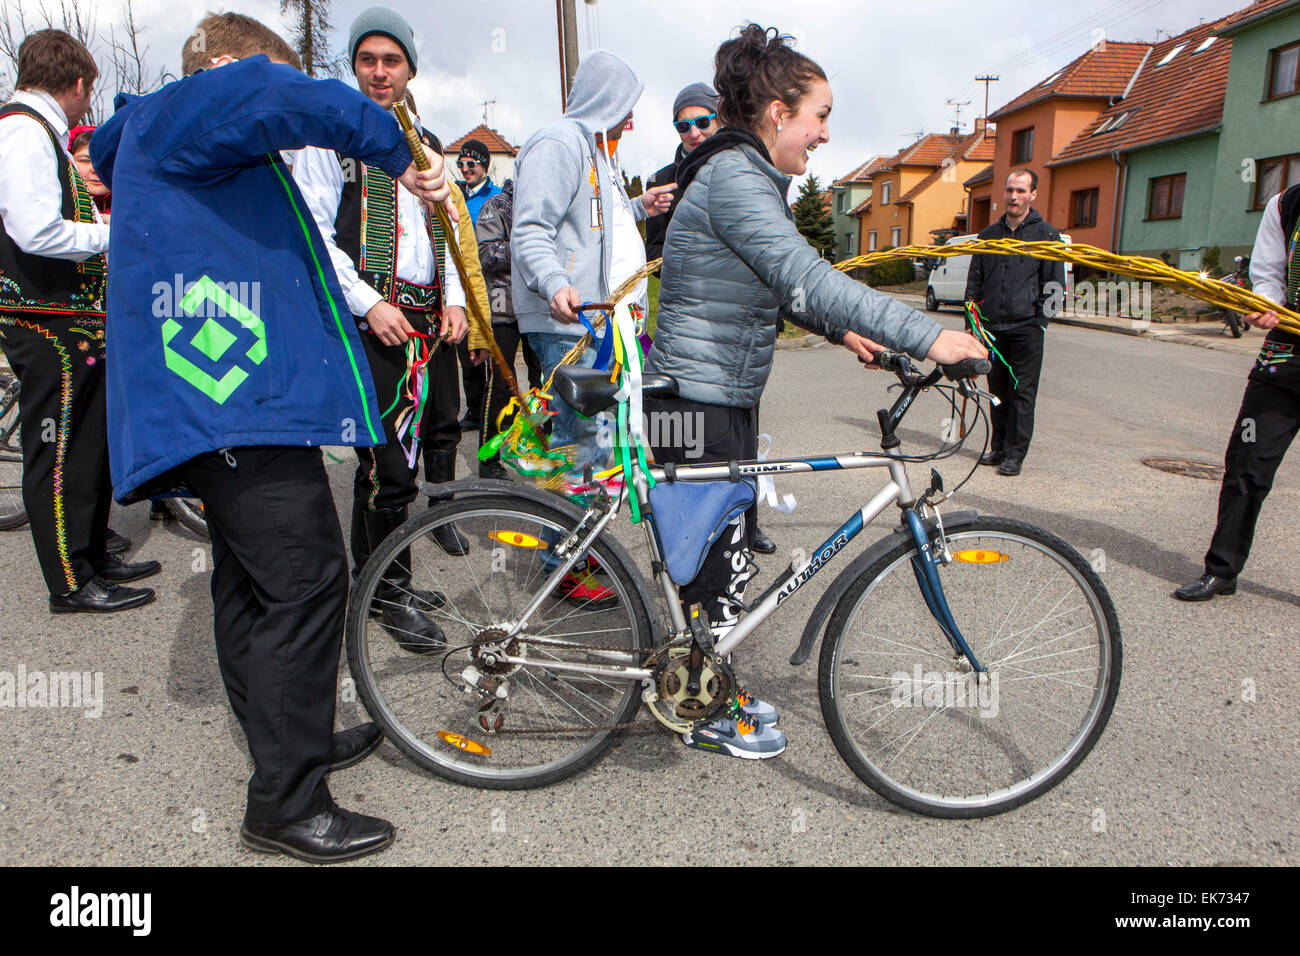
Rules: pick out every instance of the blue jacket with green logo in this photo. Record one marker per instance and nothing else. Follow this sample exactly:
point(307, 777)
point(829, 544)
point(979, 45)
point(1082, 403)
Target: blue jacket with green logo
point(226, 325)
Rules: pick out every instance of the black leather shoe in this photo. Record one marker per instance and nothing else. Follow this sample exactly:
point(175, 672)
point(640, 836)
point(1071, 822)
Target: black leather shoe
point(159, 511)
point(467, 424)
point(115, 570)
point(332, 835)
point(451, 540)
point(992, 458)
point(762, 543)
point(115, 543)
point(354, 745)
point(493, 469)
point(1009, 466)
point(99, 595)
point(1205, 587)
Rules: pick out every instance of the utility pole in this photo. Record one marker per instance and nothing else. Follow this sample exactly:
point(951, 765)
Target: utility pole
point(570, 51)
point(986, 79)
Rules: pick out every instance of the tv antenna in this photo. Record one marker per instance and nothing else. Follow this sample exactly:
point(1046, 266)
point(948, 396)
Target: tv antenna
point(486, 104)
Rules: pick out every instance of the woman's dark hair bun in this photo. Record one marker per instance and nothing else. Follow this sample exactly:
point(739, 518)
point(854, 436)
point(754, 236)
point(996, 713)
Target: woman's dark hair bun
point(756, 67)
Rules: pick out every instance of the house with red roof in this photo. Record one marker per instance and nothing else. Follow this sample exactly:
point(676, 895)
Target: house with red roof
point(847, 193)
point(916, 195)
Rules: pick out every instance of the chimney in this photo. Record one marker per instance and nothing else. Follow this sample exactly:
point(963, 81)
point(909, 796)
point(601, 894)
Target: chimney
point(980, 123)
point(954, 131)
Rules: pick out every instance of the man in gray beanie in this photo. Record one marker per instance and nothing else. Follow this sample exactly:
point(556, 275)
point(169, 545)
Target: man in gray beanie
point(695, 117)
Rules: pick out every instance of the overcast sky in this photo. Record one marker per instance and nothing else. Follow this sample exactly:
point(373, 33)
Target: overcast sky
point(892, 65)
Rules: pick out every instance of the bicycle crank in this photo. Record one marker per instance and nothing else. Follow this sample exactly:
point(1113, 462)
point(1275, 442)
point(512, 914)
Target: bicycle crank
point(689, 687)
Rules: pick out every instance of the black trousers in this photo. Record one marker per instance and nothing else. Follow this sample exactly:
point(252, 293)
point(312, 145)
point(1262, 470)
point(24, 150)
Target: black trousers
point(1013, 420)
point(728, 434)
point(384, 478)
point(66, 486)
point(497, 393)
point(440, 427)
point(1266, 424)
point(279, 590)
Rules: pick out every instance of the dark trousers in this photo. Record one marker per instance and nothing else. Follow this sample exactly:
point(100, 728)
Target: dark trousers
point(384, 477)
point(66, 486)
point(1270, 415)
point(728, 434)
point(440, 427)
point(497, 393)
point(475, 379)
point(279, 590)
point(1013, 420)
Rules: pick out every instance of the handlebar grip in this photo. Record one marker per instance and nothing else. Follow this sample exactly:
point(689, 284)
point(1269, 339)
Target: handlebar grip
point(891, 361)
point(967, 368)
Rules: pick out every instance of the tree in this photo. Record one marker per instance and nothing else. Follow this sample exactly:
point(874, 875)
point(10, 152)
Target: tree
point(812, 216)
point(311, 32)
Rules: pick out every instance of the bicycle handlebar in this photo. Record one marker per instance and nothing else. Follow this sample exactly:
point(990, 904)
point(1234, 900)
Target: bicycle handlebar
point(901, 365)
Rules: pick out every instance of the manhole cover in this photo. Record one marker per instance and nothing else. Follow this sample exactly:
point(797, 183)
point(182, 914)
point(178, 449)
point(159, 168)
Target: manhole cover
point(1186, 467)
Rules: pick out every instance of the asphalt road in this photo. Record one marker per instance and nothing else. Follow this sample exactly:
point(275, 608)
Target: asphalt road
point(1197, 766)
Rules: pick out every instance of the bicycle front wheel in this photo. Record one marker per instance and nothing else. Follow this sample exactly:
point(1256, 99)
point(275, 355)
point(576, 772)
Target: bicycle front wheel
point(13, 512)
point(552, 722)
point(913, 721)
point(189, 513)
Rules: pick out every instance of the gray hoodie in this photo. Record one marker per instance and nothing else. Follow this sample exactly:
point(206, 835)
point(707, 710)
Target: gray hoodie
point(560, 235)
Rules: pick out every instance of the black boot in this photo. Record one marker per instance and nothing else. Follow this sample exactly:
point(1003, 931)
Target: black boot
point(440, 466)
point(402, 609)
point(360, 544)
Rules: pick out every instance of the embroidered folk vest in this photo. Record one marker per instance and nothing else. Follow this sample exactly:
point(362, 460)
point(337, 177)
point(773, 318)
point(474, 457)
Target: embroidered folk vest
point(366, 228)
point(40, 284)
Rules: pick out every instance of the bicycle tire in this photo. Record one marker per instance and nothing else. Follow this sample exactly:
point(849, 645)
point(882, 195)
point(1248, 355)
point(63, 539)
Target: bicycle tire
point(410, 697)
point(1236, 324)
point(188, 512)
point(978, 760)
point(13, 511)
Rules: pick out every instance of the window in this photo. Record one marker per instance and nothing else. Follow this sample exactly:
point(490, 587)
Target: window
point(1283, 72)
point(1165, 197)
point(1022, 146)
point(896, 236)
point(851, 243)
point(1205, 44)
point(871, 241)
point(1274, 175)
point(885, 189)
point(1083, 207)
point(840, 200)
point(1172, 53)
point(1051, 79)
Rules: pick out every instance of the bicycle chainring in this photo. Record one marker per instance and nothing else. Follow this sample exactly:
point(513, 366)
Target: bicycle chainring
point(675, 706)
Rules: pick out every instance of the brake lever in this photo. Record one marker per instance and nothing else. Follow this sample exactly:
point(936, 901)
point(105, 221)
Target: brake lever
point(968, 388)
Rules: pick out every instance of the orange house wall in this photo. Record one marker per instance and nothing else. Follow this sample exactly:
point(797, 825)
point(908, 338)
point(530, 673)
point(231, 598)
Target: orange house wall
point(1098, 173)
point(1055, 123)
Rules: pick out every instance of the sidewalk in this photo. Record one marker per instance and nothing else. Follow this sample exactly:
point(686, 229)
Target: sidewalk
point(1206, 335)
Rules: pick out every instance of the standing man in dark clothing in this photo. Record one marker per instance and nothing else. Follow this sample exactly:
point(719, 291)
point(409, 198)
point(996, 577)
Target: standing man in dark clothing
point(695, 117)
point(1270, 408)
point(52, 294)
point(1012, 293)
point(478, 188)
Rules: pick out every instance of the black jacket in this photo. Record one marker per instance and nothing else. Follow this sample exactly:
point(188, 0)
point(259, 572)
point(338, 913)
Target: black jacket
point(1013, 290)
point(656, 227)
point(493, 234)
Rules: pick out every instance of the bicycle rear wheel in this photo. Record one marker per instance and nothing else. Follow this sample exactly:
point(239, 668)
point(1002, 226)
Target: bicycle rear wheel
point(13, 513)
point(553, 723)
point(189, 512)
point(910, 718)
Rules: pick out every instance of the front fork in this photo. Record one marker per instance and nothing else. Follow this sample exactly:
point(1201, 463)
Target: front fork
point(925, 565)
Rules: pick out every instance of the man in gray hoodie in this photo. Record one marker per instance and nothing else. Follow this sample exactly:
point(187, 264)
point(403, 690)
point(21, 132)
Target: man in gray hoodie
point(574, 238)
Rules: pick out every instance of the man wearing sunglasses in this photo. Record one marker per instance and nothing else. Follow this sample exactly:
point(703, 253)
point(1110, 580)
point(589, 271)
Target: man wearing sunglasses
point(695, 117)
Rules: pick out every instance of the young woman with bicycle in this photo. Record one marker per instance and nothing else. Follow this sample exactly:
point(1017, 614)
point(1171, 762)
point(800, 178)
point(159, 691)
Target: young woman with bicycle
point(734, 267)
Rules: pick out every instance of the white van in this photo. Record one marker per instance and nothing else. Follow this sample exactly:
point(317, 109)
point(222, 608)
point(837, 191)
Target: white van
point(947, 285)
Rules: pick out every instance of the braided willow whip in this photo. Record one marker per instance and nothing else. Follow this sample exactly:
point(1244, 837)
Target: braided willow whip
point(1198, 285)
point(471, 302)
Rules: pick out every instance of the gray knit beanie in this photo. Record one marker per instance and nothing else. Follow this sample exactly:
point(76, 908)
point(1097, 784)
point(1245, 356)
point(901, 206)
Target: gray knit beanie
point(386, 22)
point(697, 94)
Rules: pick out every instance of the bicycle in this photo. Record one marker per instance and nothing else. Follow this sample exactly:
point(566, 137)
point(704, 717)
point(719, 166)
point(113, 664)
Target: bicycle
point(981, 695)
point(1233, 321)
point(13, 513)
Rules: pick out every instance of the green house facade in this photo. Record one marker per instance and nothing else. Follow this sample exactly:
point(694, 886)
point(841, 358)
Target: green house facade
point(845, 197)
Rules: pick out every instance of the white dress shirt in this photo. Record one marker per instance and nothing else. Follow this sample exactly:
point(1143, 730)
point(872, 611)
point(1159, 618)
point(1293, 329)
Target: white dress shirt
point(319, 176)
point(31, 198)
point(1268, 260)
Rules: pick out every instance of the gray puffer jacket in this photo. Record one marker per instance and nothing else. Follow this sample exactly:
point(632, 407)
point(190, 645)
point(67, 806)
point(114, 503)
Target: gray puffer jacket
point(734, 266)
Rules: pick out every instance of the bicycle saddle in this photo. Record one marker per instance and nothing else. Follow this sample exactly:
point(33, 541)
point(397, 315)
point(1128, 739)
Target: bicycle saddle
point(590, 391)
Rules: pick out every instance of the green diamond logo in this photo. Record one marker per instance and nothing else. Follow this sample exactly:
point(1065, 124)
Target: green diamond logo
point(213, 340)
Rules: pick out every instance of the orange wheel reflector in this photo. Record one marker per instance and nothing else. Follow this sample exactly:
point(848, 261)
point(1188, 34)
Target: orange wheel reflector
point(980, 556)
point(516, 539)
point(464, 743)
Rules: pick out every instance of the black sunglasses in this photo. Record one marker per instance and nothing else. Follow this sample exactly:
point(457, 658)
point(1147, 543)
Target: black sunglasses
point(701, 122)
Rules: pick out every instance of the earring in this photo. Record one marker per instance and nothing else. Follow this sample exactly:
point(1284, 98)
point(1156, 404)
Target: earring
point(778, 127)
